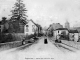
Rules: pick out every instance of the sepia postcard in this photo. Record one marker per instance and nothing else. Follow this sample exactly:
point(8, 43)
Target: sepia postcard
point(39, 29)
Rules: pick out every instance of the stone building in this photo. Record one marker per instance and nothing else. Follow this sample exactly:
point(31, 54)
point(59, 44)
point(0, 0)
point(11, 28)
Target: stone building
point(67, 25)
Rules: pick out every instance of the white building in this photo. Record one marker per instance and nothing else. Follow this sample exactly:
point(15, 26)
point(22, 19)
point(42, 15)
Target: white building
point(30, 28)
point(73, 35)
point(60, 31)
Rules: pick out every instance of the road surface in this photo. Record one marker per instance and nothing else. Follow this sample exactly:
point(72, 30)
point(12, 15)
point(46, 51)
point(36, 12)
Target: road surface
point(39, 51)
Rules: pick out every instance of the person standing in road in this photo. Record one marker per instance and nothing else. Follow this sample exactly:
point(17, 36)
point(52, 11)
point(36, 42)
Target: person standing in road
point(23, 41)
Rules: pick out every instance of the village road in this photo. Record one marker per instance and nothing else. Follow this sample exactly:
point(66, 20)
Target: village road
point(39, 51)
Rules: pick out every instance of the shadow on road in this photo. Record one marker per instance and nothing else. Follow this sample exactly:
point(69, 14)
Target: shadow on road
point(26, 46)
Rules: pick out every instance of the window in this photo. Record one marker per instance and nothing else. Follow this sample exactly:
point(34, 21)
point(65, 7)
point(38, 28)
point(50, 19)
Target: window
point(27, 25)
point(58, 31)
point(33, 28)
point(27, 28)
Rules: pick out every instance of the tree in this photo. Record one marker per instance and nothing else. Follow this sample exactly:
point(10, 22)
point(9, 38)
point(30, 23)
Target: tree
point(11, 28)
point(5, 25)
point(3, 20)
point(50, 31)
point(18, 15)
point(19, 12)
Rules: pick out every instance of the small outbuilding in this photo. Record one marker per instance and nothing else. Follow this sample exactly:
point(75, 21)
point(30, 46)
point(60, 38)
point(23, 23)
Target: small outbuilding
point(73, 35)
point(60, 31)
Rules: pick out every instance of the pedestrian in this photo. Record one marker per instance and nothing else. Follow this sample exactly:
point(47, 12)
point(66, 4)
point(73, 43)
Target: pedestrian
point(45, 41)
point(23, 41)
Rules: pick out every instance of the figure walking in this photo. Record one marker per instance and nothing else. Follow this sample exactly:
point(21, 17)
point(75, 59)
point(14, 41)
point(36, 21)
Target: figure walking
point(45, 41)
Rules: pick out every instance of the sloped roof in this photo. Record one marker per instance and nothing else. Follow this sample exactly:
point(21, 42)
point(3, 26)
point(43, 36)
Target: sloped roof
point(62, 29)
point(77, 28)
point(34, 23)
point(73, 31)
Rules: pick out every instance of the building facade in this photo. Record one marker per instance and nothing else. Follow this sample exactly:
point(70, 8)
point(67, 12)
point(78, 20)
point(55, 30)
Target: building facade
point(53, 27)
point(30, 28)
point(60, 31)
point(67, 25)
point(73, 35)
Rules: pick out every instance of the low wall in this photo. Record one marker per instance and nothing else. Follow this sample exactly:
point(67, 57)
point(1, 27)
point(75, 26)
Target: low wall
point(10, 44)
point(18, 36)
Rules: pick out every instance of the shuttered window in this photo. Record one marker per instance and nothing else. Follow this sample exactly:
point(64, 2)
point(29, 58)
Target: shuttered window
point(27, 28)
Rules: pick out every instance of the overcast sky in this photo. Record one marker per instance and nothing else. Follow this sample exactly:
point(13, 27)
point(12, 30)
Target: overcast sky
point(46, 12)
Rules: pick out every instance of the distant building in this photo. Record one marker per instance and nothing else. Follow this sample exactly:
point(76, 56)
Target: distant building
point(60, 31)
point(67, 25)
point(73, 35)
point(55, 26)
point(77, 28)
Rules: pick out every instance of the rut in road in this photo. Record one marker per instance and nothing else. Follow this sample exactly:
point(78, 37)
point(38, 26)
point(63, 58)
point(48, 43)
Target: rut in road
point(38, 50)
point(66, 47)
point(71, 46)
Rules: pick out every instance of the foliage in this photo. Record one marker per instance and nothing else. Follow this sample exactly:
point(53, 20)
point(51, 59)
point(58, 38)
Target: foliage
point(3, 20)
point(29, 36)
point(5, 27)
point(18, 16)
point(19, 11)
point(5, 38)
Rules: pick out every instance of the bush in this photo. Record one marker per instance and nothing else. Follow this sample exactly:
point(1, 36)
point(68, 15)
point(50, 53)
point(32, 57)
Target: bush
point(2, 37)
point(40, 34)
point(30, 36)
point(9, 38)
point(6, 38)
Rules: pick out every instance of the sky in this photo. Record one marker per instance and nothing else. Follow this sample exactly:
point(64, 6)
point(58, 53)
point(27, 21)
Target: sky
point(46, 12)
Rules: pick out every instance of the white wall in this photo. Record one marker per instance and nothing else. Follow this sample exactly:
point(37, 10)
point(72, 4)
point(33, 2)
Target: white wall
point(55, 33)
point(76, 36)
point(30, 28)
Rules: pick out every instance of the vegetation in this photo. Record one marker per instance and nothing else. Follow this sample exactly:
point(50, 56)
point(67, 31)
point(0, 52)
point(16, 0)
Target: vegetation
point(6, 38)
point(16, 24)
point(18, 18)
